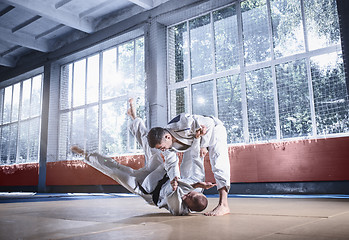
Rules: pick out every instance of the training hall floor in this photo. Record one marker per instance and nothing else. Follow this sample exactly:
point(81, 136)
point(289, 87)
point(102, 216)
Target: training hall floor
point(125, 216)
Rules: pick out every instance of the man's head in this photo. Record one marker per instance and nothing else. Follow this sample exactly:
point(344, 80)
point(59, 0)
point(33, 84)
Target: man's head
point(195, 201)
point(159, 138)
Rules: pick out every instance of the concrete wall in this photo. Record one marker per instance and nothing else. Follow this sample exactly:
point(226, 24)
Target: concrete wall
point(321, 160)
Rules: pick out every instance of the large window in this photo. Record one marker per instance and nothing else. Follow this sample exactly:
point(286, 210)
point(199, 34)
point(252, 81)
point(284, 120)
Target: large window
point(20, 121)
point(269, 69)
point(94, 93)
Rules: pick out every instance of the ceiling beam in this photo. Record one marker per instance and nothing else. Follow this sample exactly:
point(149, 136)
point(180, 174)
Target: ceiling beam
point(147, 4)
point(62, 3)
point(44, 9)
point(10, 49)
point(6, 10)
point(26, 23)
point(95, 8)
point(118, 16)
point(25, 40)
point(51, 30)
point(8, 61)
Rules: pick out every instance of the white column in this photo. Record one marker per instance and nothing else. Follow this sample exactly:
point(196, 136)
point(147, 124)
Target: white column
point(156, 77)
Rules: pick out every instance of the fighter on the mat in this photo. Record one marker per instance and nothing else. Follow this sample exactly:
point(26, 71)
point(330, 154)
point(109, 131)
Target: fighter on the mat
point(180, 135)
point(152, 182)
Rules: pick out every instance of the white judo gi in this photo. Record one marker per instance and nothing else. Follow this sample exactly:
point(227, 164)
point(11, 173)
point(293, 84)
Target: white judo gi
point(183, 128)
point(144, 181)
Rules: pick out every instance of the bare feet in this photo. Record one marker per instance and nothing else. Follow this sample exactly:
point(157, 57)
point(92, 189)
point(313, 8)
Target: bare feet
point(223, 206)
point(77, 150)
point(220, 210)
point(131, 111)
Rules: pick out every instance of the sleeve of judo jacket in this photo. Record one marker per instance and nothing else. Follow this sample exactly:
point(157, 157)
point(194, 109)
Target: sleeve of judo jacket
point(171, 164)
point(196, 171)
point(174, 200)
point(138, 129)
point(209, 123)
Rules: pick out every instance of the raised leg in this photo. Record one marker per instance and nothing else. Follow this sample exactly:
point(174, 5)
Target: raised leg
point(108, 166)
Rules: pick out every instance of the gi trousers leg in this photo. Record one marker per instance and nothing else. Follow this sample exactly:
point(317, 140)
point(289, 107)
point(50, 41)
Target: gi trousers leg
point(122, 174)
point(219, 158)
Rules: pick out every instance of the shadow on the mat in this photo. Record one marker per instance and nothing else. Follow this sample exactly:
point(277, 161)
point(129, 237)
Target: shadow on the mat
point(155, 217)
point(162, 214)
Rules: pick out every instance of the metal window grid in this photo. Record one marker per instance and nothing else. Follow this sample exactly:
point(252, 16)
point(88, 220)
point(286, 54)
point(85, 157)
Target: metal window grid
point(63, 151)
point(12, 157)
point(242, 69)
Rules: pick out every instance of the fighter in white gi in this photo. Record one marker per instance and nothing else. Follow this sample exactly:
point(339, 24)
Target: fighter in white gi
point(181, 134)
point(152, 182)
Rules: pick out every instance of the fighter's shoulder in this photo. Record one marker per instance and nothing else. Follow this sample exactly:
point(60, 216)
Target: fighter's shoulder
point(179, 117)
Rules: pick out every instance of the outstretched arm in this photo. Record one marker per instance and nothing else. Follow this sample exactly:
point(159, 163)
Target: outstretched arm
point(131, 111)
point(203, 185)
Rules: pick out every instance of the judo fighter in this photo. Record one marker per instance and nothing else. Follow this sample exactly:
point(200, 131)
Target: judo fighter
point(152, 182)
point(180, 135)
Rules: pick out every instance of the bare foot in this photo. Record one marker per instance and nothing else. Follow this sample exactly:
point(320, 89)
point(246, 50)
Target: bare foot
point(131, 111)
point(77, 150)
point(220, 210)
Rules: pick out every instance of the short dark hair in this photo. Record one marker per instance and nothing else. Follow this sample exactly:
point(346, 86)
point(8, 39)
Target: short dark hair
point(200, 203)
point(155, 136)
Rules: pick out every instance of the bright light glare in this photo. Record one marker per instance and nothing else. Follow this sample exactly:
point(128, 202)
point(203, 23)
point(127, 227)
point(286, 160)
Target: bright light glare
point(201, 100)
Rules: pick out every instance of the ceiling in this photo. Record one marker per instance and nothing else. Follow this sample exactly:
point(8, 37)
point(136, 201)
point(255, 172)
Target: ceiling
point(29, 26)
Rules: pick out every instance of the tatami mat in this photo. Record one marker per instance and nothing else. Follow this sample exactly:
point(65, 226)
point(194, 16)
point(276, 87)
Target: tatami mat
point(123, 216)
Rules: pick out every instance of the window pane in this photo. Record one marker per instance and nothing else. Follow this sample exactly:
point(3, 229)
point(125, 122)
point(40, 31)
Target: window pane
point(293, 97)
point(203, 100)
point(92, 79)
point(64, 136)
point(79, 83)
point(140, 106)
point(140, 112)
point(7, 104)
point(25, 111)
point(66, 86)
point(140, 78)
point(288, 33)
point(5, 143)
point(179, 101)
point(178, 53)
point(200, 46)
point(226, 38)
point(78, 127)
point(139, 65)
point(23, 142)
point(114, 123)
point(229, 107)
point(34, 140)
point(13, 143)
point(109, 74)
point(330, 94)
point(92, 135)
point(260, 105)
point(125, 79)
point(36, 97)
point(255, 31)
point(15, 102)
point(322, 23)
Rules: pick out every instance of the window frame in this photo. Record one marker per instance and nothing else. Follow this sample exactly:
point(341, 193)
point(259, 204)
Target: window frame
point(29, 76)
point(243, 68)
point(98, 49)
